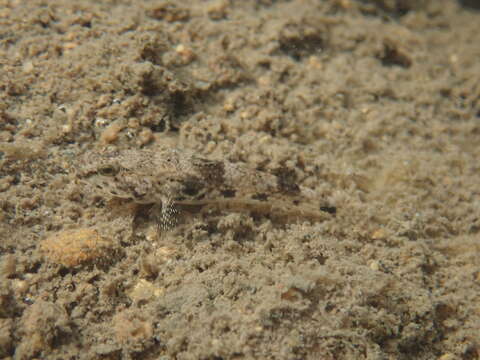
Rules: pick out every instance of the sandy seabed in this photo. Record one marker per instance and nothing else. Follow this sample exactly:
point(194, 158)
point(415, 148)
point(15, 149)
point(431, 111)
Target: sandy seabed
point(373, 105)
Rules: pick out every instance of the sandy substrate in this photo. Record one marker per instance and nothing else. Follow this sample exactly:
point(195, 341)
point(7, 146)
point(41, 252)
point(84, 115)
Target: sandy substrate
point(374, 105)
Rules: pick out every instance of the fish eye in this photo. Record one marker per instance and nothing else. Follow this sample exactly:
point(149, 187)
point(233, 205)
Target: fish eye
point(107, 170)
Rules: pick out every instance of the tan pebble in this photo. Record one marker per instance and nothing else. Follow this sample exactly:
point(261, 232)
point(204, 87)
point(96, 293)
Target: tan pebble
point(180, 48)
point(379, 234)
point(264, 81)
point(103, 100)
point(244, 115)
point(28, 203)
point(292, 294)
point(70, 36)
point(145, 136)
point(28, 67)
point(216, 342)
point(185, 52)
point(314, 62)
point(110, 134)
point(5, 13)
point(345, 4)
point(447, 181)
point(6, 182)
point(165, 253)
point(265, 139)
point(210, 147)
point(20, 287)
point(447, 356)
point(229, 105)
point(133, 123)
point(169, 13)
point(6, 136)
point(131, 327)
point(374, 265)
point(217, 10)
point(100, 122)
point(39, 322)
point(70, 45)
point(144, 290)
point(152, 233)
point(365, 109)
point(73, 247)
point(8, 265)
